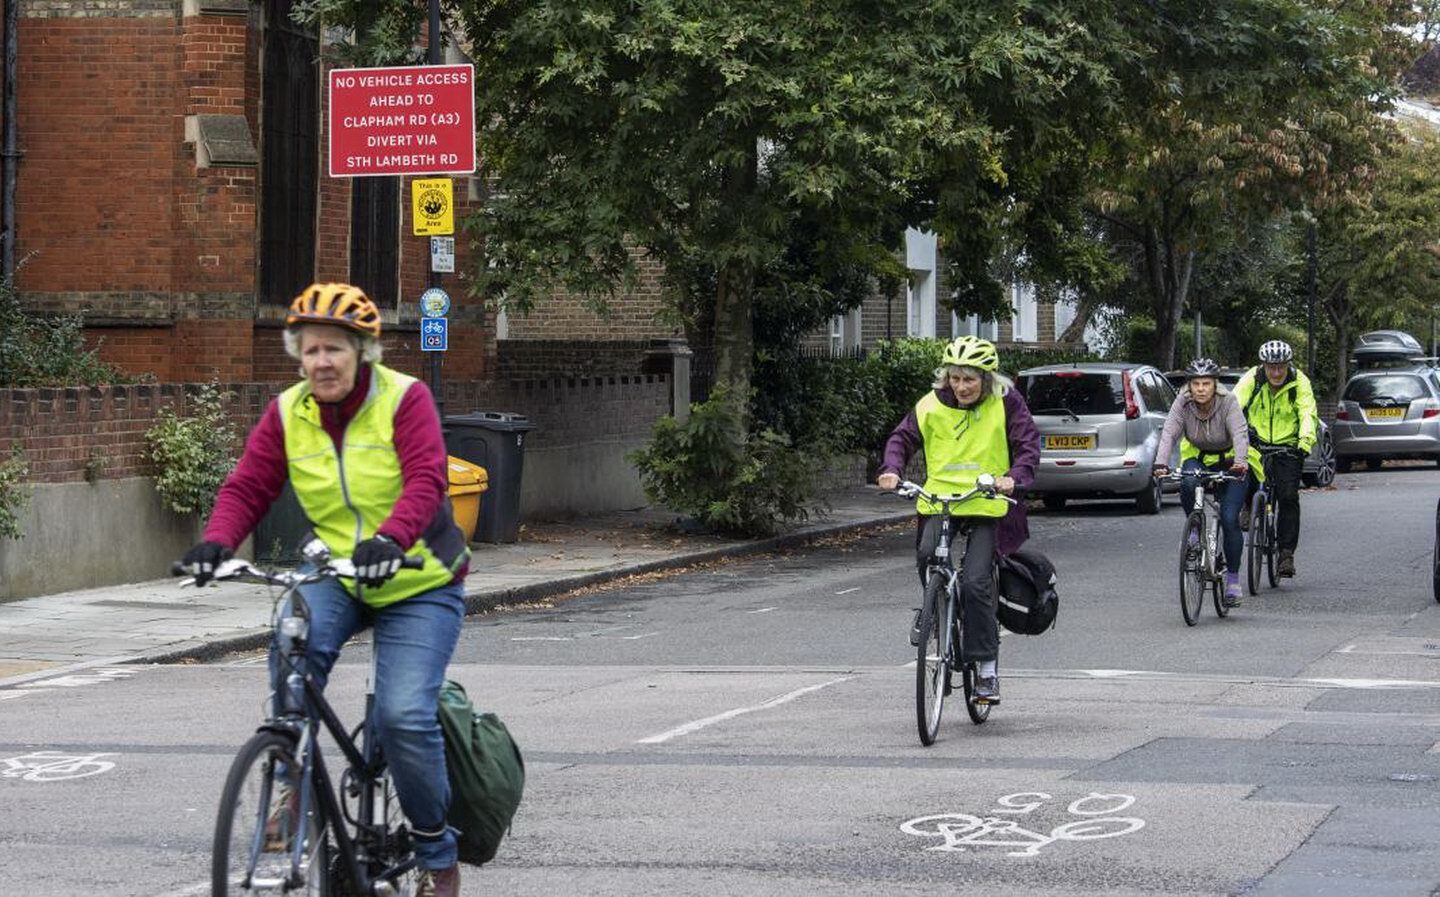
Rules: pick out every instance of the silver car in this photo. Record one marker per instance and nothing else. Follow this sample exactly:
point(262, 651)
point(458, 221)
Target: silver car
point(1099, 428)
point(1388, 413)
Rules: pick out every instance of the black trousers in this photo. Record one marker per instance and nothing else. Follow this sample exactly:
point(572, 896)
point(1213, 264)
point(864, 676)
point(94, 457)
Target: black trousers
point(981, 639)
point(1282, 472)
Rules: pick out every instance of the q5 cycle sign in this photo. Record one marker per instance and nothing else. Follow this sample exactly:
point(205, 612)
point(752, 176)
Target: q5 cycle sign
point(417, 119)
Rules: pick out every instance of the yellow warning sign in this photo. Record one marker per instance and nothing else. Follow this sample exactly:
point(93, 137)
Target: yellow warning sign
point(434, 203)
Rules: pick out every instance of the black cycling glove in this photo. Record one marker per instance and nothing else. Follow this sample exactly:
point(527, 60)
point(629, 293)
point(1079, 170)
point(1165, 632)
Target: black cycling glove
point(202, 560)
point(376, 560)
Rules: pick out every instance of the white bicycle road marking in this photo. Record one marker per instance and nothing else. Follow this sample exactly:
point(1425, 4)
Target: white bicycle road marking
point(699, 724)
point(54, 766)
point(80, 680)
point(962, 831)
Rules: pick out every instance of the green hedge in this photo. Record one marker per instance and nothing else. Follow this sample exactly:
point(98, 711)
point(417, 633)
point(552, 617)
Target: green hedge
point(849, 404)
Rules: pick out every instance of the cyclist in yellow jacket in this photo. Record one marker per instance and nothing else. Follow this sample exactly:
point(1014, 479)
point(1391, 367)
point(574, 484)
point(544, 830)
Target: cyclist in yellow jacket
point(1280, 411)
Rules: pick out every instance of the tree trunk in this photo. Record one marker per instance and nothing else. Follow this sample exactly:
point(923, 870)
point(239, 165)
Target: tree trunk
point(734, 331)
point(734, 295)
point(1075, 331)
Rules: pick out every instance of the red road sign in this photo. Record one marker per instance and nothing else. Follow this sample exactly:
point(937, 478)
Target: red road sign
point(417, 119)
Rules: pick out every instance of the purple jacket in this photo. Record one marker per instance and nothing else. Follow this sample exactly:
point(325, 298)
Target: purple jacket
point(1020, 433)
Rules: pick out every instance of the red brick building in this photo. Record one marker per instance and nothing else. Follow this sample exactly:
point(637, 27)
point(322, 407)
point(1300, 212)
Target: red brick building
point(171, 189)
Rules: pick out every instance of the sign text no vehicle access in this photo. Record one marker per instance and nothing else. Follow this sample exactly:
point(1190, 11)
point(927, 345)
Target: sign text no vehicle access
point(402, 120)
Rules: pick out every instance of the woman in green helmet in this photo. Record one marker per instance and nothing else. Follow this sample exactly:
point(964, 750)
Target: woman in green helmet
point(972, 422)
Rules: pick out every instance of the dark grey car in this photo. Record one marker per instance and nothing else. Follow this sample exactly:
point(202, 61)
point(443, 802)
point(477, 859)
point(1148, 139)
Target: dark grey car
point(1099, 428)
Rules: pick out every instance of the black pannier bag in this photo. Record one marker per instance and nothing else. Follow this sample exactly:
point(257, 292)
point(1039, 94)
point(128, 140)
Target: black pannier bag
point(1027, 602)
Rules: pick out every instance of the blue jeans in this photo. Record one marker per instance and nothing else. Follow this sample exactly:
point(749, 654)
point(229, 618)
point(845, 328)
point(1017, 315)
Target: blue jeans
point(1232, 499)
point(414, 639)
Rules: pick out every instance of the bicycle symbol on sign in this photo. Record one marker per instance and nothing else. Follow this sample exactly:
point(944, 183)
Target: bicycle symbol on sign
point(53, 766)
point(962, 830)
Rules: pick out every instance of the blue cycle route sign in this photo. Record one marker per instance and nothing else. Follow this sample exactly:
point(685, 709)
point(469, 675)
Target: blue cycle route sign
point(434, 334)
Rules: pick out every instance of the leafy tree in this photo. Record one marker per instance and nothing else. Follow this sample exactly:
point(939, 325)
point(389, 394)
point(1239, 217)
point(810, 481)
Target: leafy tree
point(1378, 260)
point(707, 132)
point(1231, 114)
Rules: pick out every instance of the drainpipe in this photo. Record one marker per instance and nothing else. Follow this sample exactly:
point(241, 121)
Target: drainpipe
point(9, 155)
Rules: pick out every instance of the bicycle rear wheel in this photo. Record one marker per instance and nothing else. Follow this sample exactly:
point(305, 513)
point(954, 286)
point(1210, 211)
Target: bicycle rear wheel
point(931, 660)
point(1255, 557)
point(1435, 554)
point(1272, 519)
point(1192, 582)
point(259, 823)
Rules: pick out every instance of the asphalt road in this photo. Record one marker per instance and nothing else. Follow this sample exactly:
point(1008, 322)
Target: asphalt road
point(748, 729)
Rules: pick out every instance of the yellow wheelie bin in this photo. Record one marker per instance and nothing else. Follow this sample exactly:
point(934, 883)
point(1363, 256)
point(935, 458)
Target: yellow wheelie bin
point(467, 482)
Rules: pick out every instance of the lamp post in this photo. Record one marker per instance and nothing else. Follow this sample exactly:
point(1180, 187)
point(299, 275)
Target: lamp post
point(1310, 265)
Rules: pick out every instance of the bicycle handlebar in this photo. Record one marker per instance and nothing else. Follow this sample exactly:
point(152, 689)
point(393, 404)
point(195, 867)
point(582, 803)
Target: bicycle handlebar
point(1204, 475)
point(241, 569)
point(908, 489)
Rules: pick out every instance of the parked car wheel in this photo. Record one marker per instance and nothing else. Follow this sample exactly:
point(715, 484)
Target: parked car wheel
point(1324, 473)
point(1054, 502)
point(1148, 502)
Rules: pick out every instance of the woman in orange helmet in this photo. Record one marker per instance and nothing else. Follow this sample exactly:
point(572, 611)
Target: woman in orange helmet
point(361, 446)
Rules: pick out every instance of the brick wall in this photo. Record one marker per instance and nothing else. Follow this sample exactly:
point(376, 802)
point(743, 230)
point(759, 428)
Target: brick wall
point(631, 316)
point(99, 432)
point(571, 412)
point(539, 359)
point(117, 223)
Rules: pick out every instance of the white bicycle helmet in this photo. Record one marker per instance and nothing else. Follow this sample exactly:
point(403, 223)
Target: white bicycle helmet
point(1276, 352)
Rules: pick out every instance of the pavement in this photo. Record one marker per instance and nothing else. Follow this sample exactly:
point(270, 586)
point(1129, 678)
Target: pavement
point(161, 621)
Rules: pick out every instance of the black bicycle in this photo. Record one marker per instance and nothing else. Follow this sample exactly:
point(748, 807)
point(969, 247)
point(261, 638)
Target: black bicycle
point(283, 825)
point(1264, 544)
point(942, 617)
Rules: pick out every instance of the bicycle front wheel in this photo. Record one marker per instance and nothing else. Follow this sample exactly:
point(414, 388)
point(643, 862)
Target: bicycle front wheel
point(931, 660)
point(1255, 557)
point(1272, 519)
point(1192, 581)
point(259, 824)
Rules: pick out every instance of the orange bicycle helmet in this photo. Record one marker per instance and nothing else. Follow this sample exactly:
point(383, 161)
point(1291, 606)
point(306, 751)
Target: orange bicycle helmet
point(335, 303)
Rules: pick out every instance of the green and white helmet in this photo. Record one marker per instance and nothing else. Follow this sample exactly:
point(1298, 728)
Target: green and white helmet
point(971, 352)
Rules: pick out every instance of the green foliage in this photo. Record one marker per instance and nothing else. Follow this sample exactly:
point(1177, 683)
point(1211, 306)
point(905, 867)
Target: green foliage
point(849, 404)
point(14, 492)
point(745, 485)
point(192, 455)
point(44, 351)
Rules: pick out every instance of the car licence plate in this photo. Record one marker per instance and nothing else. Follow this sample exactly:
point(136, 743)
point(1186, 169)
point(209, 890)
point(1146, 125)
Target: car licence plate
point(1086, 441)
point(1384, 413)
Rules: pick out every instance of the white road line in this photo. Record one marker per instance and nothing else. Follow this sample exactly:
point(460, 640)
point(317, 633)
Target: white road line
point(1219, 679)
point(541, 638)
point(848, 591)
point(739, 711)
point(7, 695)
point(763, 610)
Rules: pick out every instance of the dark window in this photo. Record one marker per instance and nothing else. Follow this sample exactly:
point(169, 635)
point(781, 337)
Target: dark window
point(290, 155)
point(1386, 389)
point(375, 238)
point(1152, 391)
point(1073, 392)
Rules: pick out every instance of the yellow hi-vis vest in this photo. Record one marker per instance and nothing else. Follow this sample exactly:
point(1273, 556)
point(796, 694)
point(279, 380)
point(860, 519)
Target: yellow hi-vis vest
point(960, 445)
point(347, 494)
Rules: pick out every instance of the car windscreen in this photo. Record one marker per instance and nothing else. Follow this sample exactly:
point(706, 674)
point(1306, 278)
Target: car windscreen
point(1073, 392)
point(1385, 389)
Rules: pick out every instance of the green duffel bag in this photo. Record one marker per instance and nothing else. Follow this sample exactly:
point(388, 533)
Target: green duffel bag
point(486, 771)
